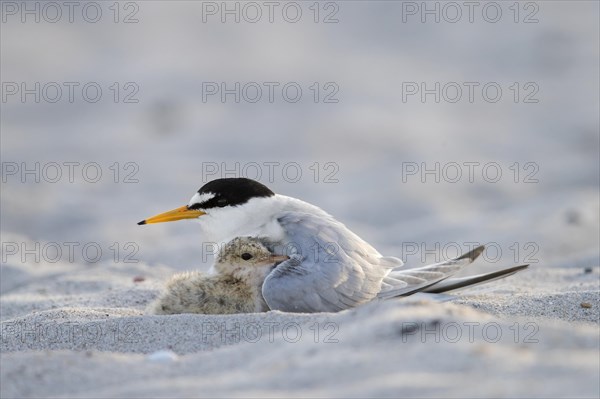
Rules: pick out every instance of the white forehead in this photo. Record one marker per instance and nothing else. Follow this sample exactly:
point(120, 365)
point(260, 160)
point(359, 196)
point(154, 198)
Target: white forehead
point(200, 198)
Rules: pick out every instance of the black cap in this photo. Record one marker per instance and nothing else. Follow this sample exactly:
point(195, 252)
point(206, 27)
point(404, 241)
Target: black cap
point(231, 192)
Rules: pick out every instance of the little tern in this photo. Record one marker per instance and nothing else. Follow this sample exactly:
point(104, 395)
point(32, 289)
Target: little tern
point(330, 268)
point(236, 287)
point(242, 266)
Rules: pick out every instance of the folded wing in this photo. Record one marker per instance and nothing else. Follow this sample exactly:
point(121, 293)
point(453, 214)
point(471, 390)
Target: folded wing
point(333, 270)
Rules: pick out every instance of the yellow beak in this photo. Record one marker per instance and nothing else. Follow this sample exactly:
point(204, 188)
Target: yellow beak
point(176, 214)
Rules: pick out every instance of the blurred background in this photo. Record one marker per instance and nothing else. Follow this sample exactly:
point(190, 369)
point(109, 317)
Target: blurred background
point(370, 117)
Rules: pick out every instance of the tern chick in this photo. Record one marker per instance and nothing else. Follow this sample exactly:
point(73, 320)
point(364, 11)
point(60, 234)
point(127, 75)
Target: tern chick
point(241, 268)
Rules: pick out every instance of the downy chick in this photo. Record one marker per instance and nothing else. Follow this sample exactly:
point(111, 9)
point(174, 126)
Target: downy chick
point(241, 268)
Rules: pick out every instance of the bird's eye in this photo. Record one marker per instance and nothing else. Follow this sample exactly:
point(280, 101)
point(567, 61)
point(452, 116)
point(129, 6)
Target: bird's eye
point(246, 256)
point(222, 202)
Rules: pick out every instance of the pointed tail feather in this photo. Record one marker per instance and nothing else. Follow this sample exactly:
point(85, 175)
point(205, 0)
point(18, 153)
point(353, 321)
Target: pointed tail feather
point(407, 282)
point(469, 281)
point(472, 255)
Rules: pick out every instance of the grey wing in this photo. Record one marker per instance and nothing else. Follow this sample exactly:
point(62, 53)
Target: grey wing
point(407, 282)
point(332, 270)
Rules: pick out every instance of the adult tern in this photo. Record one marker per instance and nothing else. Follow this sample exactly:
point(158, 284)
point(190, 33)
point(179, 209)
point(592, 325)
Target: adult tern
point(330, 268)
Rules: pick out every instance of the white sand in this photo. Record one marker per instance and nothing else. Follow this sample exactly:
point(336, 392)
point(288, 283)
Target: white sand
point(81, 332)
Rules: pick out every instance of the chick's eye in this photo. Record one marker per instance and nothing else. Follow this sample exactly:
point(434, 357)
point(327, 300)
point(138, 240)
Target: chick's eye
point(222, 202)
point(246, 256)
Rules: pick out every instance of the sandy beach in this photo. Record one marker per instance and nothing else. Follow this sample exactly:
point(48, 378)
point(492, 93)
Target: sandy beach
point(80, 331)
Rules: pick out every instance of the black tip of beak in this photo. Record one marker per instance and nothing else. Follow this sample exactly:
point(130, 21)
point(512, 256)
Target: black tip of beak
point(142, 222)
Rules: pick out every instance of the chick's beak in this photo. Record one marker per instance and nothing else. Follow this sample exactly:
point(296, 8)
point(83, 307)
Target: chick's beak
point(176, 214)
point(276, 259)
